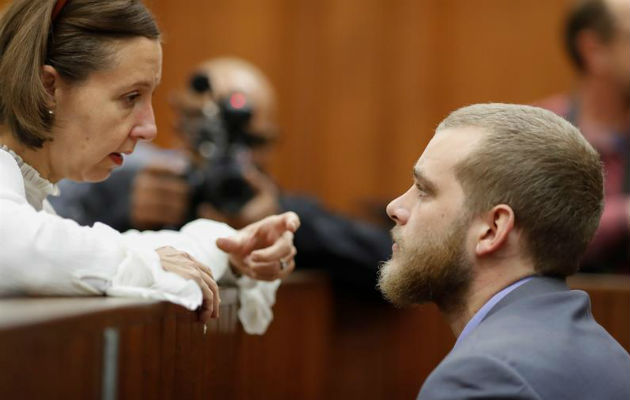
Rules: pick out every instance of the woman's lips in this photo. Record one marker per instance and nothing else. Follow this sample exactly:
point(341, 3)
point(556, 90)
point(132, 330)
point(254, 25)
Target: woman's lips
point(117, 158)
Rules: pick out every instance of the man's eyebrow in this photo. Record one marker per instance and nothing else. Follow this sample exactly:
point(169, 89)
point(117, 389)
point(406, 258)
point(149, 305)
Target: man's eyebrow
point(423, 181)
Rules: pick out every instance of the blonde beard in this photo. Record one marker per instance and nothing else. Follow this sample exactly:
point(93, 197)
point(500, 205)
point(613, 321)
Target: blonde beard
point(434, 269)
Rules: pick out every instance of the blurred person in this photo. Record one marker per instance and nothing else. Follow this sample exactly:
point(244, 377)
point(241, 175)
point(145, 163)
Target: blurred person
point(504, 201)
point(76, 84)
point(153, 189)
point(597, 40)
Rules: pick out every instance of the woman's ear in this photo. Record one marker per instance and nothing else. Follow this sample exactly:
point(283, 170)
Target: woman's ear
point(50, 78)
point(497, 225)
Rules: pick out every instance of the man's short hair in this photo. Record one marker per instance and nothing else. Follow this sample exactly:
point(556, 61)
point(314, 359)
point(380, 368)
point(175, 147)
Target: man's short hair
point(542, 167)
point(591, 15)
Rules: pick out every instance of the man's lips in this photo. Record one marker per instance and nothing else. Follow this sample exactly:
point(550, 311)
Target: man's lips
point(395, 233)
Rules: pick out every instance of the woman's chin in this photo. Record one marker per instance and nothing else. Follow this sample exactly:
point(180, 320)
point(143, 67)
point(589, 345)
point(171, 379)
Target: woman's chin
point(96, 176)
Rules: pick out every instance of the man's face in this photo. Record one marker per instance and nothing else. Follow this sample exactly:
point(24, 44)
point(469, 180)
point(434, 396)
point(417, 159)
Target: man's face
point(432, 259)
point(227, 78)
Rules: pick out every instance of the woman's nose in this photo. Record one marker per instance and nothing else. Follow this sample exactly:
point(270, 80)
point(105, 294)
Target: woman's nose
point(146, 132)
point(145, 129)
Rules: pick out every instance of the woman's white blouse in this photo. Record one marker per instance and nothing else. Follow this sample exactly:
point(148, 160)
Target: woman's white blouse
point(44, 254)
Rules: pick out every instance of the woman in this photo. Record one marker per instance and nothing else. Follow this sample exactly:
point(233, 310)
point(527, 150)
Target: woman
point(76, 81)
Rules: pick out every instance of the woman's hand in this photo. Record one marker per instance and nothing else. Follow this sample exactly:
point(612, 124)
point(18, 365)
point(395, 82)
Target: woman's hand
point(187, 267)
point(264, 250)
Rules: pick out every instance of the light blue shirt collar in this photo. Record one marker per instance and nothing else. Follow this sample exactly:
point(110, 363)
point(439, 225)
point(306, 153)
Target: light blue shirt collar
point(483, 311)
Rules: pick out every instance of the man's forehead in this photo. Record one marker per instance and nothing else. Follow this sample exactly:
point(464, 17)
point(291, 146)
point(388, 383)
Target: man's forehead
point(451, 145)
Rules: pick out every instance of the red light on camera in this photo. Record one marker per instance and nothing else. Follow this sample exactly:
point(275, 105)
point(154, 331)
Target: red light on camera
point(238, 100)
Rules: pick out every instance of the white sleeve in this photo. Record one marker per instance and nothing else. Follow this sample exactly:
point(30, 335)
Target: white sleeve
point(256, 299)
point(44, 254)
point(198, 239)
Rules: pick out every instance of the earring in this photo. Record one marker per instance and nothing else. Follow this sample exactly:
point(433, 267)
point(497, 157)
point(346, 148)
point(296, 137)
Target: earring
point(51, 112)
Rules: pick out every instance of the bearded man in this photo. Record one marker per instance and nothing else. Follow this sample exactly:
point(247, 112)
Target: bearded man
point(504, 202)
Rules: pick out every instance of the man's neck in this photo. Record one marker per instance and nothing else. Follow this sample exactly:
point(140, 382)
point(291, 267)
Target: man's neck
point(485, 284)
point(603, 104)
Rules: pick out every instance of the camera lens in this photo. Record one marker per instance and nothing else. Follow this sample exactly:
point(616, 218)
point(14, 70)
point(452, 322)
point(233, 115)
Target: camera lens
point(200, 83)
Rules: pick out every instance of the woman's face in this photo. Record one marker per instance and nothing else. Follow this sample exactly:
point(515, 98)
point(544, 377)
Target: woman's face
point(100, 120)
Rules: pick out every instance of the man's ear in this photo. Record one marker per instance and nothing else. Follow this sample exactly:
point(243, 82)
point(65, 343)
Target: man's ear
point(494, 229)
point(50, 78)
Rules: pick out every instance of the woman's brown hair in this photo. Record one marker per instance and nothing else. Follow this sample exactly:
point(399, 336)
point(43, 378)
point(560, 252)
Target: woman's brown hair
point(77, 43)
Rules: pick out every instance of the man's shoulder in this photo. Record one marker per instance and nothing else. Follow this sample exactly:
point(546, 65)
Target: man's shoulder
point(542, 322)
point(539, 344)
point(528, 367)
point(476, 375)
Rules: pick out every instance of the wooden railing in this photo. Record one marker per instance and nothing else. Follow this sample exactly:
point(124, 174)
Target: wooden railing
point(109, 348)
point(321, 344)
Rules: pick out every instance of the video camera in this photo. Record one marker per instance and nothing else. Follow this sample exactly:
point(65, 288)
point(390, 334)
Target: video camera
point(221, 141)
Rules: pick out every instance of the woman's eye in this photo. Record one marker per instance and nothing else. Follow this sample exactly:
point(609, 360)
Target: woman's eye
point(131, 98)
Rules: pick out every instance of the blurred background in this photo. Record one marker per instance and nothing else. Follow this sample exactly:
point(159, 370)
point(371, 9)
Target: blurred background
point(362, 84)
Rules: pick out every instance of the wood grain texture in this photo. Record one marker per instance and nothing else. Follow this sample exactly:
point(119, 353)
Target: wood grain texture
point(53, 348)
point(321, 344)
point(362, 84)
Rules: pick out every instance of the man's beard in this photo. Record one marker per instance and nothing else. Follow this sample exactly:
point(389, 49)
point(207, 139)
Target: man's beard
point(432, 269)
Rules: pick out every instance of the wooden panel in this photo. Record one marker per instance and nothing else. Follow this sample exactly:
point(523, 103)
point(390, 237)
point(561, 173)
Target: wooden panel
point(363, 83)
point(320, 345)
point(380, 352)
point(54, 348)
point(610, 302)
point(33, 364)
point(292, 359)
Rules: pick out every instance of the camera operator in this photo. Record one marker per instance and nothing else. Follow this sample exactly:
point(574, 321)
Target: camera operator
point(161, 188)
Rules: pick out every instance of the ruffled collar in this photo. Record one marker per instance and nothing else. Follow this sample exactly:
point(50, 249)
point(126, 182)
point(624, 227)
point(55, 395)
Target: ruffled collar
point(36, 187)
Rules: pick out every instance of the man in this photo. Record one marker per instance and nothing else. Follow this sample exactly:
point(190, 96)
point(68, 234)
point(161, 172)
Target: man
point(597, 39)
point(150, 192)
point(504, 202)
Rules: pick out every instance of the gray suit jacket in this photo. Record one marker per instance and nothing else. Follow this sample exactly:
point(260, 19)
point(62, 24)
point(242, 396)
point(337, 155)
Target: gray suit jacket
point(538, 342)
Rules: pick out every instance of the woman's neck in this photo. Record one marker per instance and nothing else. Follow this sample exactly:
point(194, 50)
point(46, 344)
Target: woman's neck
point(36, 158)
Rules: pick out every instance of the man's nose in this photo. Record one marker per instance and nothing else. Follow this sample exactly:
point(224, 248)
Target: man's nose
point(396, 211)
